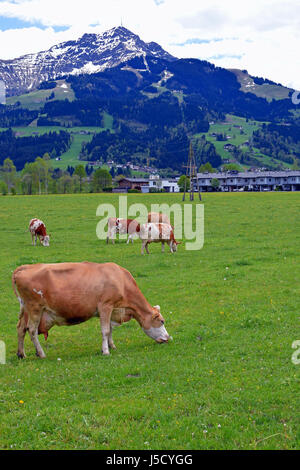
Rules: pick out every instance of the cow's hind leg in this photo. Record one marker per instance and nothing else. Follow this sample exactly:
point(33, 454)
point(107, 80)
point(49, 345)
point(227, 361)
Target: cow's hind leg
point(34, 318)
point(105, 314)
point(21, 328)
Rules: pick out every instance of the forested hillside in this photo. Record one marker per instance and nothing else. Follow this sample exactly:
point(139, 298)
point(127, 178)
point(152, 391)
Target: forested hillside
point(25, 149)
point(156, 106)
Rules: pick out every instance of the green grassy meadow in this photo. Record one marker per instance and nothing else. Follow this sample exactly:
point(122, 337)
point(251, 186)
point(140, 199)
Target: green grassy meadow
point(226, 381)
point(238, 139)
point(37, 98)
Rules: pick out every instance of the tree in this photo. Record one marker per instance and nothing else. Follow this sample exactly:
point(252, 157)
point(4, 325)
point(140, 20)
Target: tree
point(101, 179)
point(231, 167)
point(42, 171)
point(207, 168)
point(182, 181)
point(29, 178)
point(65, 184)
point(3, 188)
point(9, 173)
point(47, 164)
point(81, 173)
point(215, 183)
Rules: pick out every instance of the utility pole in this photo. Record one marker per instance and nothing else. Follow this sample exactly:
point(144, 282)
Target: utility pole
point(191, 173)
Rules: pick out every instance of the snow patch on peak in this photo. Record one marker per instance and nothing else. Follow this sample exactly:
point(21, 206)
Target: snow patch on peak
point(88, 68)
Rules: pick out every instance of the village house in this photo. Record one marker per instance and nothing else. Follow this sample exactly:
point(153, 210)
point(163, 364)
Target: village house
point(169, 185)
point(229, 147)
point(134, 183)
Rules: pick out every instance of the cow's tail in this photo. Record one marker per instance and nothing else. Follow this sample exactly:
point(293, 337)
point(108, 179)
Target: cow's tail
point(13, 281)
point(14, 286)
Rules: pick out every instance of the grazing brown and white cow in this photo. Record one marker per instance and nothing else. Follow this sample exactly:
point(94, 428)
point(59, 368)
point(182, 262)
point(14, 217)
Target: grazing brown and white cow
point(158, 233)
point(37, 229)
point(158, 217)
point(72, 293)
point(122, 226)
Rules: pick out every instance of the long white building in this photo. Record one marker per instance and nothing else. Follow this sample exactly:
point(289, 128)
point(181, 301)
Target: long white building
point(251, 181)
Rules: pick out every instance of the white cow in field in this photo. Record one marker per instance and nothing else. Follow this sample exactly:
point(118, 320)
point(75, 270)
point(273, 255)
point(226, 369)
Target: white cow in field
point(158, 233)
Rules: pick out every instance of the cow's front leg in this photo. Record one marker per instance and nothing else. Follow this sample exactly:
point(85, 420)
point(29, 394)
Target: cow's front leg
point(147, 248)
point(162, 247)
point(113, 237)
point(105, 314)
point(171, 247)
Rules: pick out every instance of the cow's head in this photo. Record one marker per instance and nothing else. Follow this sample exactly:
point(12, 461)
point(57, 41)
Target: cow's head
point(46, 240)
point(175, 244)
point(155, 327)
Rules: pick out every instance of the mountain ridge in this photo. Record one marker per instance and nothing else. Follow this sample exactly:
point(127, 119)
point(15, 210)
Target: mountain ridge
point(90, 53)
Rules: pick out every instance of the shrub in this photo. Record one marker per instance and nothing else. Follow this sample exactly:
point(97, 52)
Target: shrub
point(3, 188)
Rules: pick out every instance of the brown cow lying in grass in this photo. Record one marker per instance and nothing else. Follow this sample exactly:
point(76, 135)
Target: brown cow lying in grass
point(72, 293)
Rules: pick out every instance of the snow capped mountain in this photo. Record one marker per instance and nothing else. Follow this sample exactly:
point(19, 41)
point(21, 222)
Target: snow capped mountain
point(89, 54)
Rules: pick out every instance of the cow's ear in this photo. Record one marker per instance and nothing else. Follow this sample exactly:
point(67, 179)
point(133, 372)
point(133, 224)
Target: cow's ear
point(157, 307)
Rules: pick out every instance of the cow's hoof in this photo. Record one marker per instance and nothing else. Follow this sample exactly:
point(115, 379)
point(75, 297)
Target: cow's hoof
point(40, 356)
point(20, 355)
point(105, 353)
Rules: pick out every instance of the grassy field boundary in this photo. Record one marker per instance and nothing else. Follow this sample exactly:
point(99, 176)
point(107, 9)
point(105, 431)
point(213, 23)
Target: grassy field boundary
point(227, 381)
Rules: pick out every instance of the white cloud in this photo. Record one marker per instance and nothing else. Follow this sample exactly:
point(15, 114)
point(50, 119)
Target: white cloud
point(265, 34)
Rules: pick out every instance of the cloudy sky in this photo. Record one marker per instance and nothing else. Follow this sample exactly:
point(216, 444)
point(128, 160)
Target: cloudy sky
point(262, 36)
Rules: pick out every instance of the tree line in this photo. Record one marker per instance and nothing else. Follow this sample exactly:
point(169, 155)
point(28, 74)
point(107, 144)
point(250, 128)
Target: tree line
point(26, 149)
point(39, 177)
